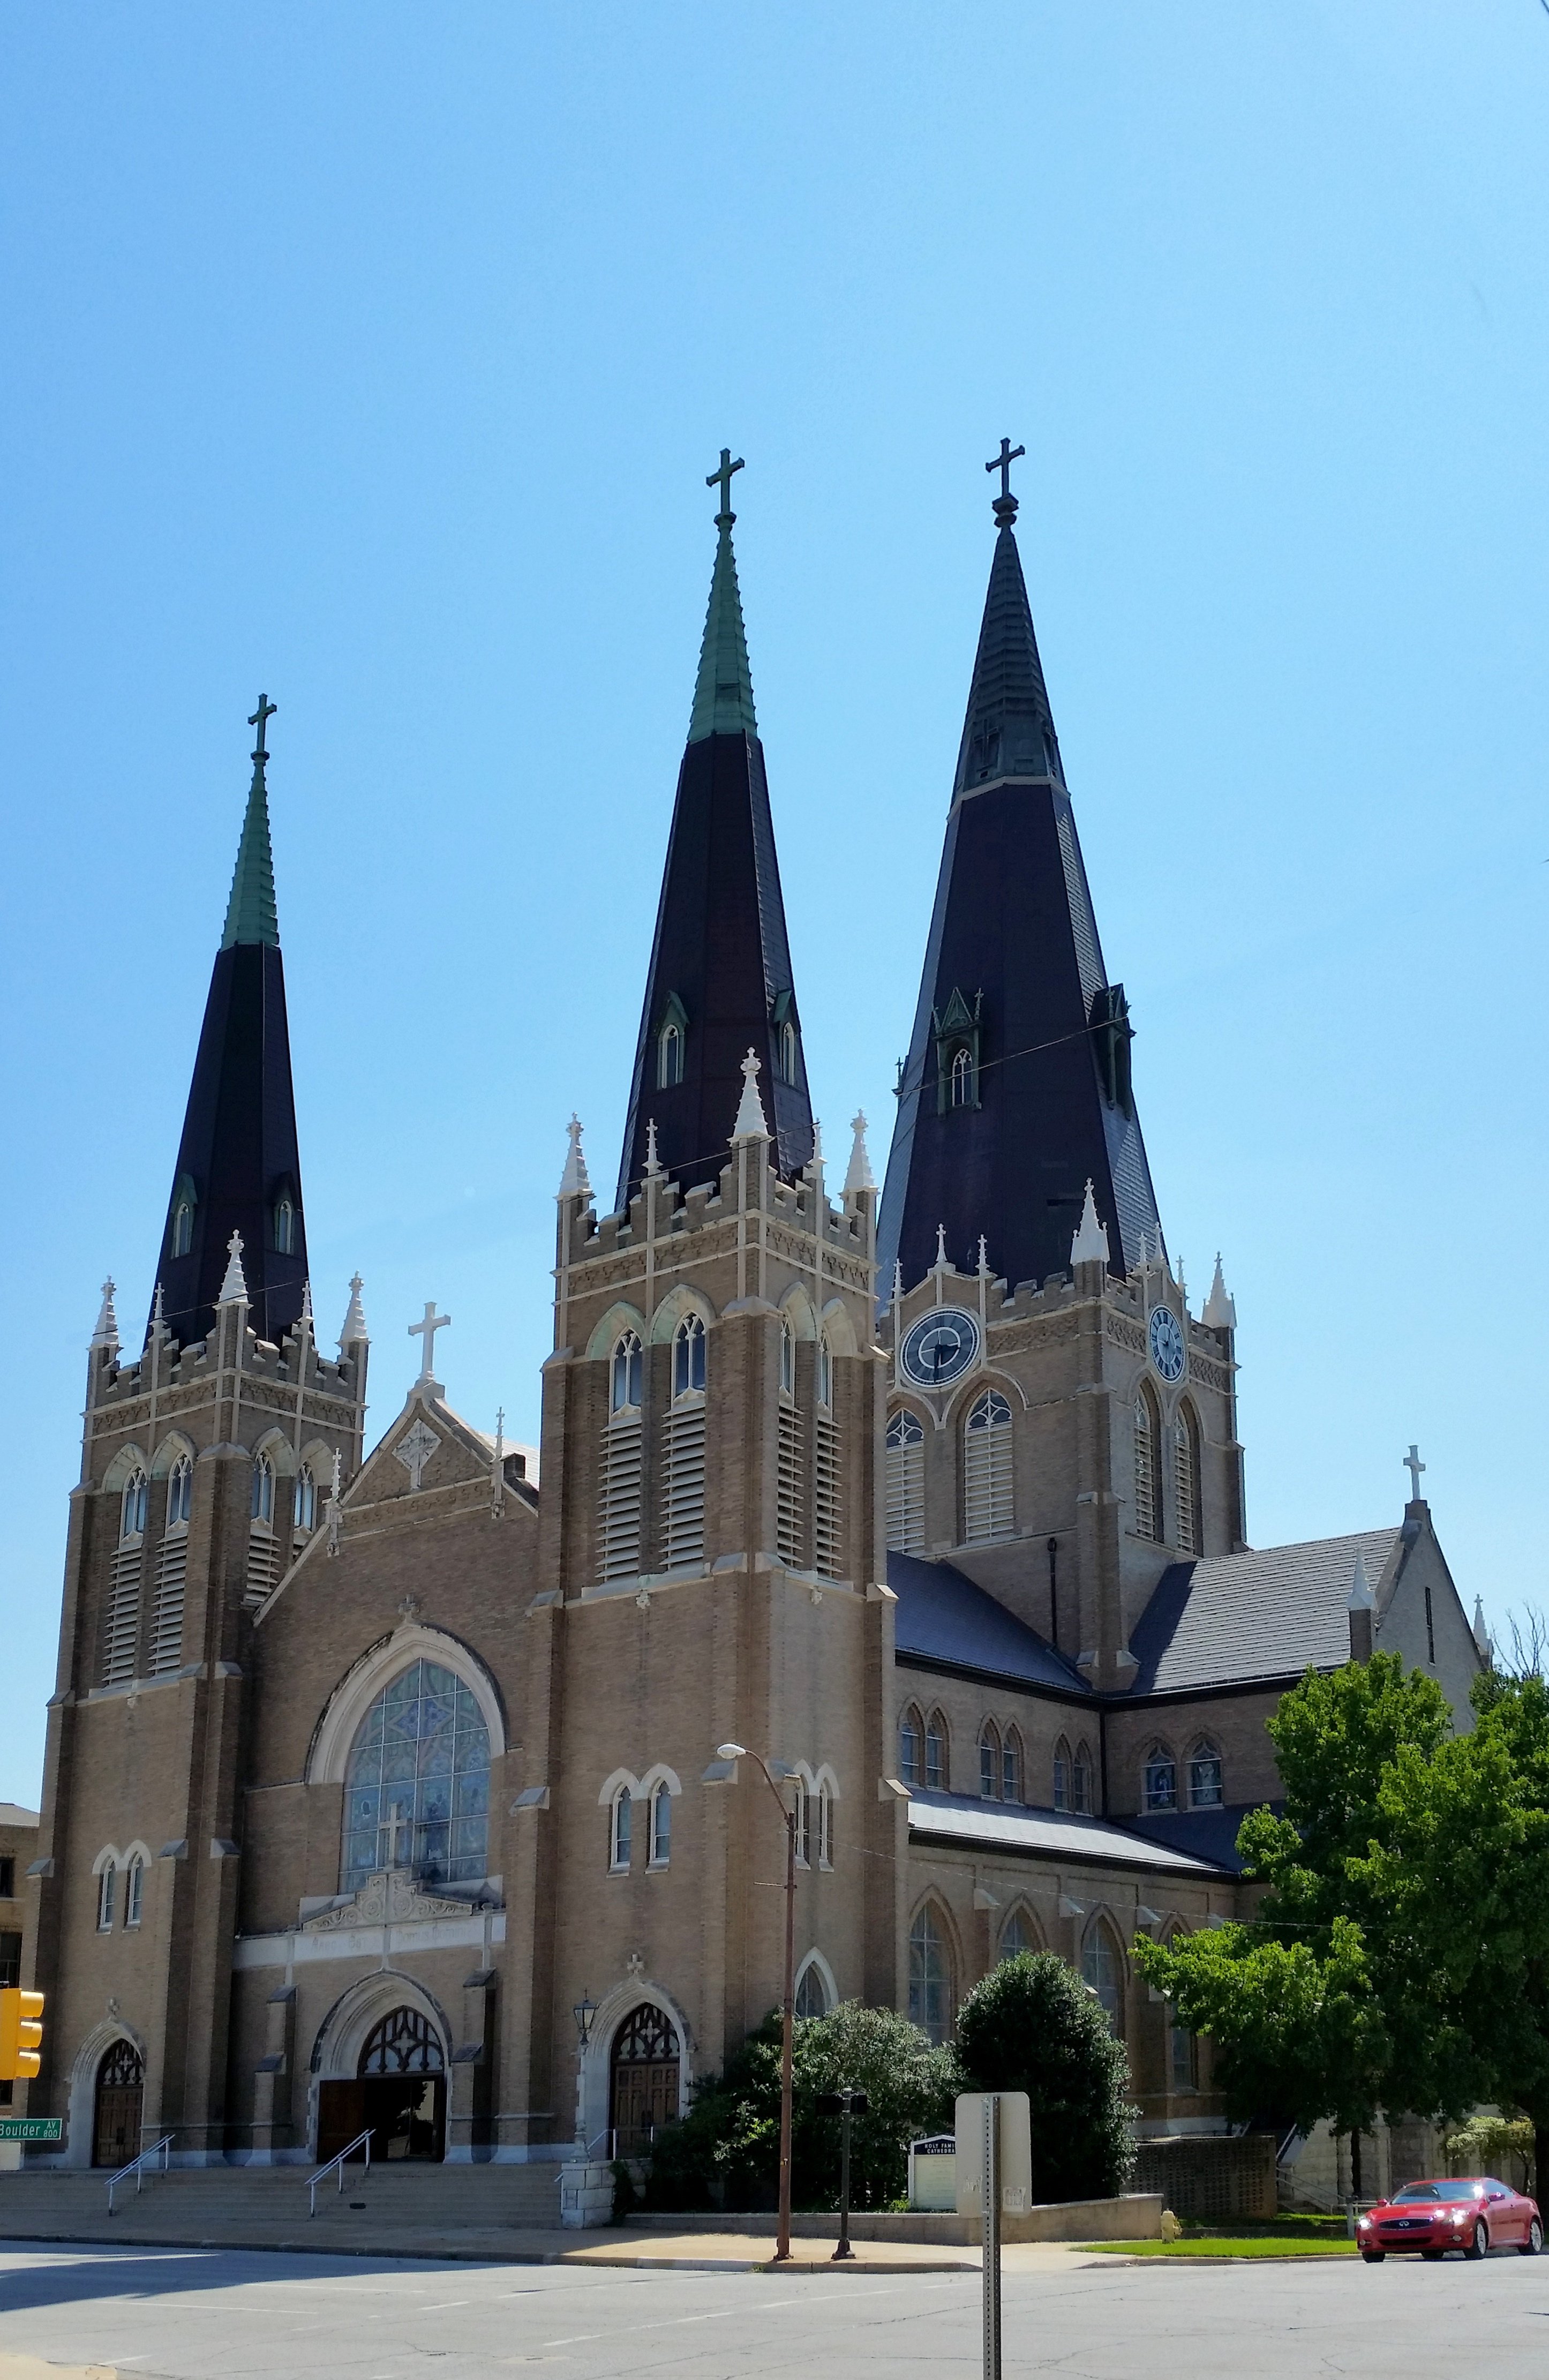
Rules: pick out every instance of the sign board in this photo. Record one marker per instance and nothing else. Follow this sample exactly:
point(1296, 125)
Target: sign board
point(31, 2127)
point(1016, 2153)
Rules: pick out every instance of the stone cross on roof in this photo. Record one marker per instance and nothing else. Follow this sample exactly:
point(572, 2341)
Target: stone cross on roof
point(1415, 1466)
point(426, 1331)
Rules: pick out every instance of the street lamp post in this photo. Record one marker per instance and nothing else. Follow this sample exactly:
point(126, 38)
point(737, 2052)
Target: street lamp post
point(844, 2104)
point(740, 1752)
point(586, 2008)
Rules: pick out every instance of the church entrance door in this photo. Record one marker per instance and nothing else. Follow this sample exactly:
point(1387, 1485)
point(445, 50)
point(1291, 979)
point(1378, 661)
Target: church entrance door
point(645, 2093)
point(399, 2093)
point(120, 2105)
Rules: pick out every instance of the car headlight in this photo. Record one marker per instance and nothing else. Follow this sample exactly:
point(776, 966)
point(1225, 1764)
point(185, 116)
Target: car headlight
point(1364, 2223)
point(1461, 2213)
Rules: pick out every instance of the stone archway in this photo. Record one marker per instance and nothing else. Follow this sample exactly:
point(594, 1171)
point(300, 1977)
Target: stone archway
point(645, 2070)
point(117, 2106)
point(398, 2090)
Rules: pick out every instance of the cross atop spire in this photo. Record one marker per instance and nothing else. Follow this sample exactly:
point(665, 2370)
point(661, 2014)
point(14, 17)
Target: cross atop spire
point(1415, 1466)
point(722, 478)
point(1005, 503)
point(252, 915)
point(266, 710)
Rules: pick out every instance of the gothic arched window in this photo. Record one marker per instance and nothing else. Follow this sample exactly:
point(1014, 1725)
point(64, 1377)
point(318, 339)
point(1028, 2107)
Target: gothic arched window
point(935, 1753)
point(106, 1881)
point(621, 1829)
point(136, 1504)
point(1017, 1934)
point(812, 1996)
point(905, 1460)
point(961, 1079)
point(989, 1762)
point(787, 1048)
point(911, 1739)
point(304, 1500)
point(825, 1370)
point(134, 1892)
point(1149, 1467)
point(1206, 1791)
point(661, 1825)
point(1010, 1766)
point(284, 1227)
point(1063, 1783)
point(670, 1055)
point(182, 1226)
point(1161, 1779)
point(688, 1355)
point(930, 1976)
point(986, 1469)
point(416, 1791)
point(625, 1384)
point(825, 1825)
point(804, 1806)
point(263, 1490)
point(1081, 1781)
point(1102, 1968)
point(1186, 1480)
point(180, 1491)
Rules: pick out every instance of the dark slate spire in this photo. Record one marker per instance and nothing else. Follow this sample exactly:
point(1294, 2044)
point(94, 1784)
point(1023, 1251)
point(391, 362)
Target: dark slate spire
point(237, 1165)
point(1016, 1091)
point(719, 981)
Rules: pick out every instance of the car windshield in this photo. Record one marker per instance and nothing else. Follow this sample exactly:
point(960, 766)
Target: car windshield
point(1452, 2193)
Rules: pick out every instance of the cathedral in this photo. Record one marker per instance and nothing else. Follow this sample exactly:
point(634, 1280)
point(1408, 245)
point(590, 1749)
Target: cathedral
point(398, 1786)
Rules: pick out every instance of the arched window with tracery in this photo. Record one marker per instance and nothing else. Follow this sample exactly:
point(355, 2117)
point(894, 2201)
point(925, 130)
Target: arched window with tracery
point(935, 1753)
point(1017, 1936)
point(416, 1791)
point(106, 1885)
point(304, 1501)
point(263, 1504)
point(1102, 1970)
point(905, 1459)
point(1186, 1480)
point(1010, 1766)
point(645, 2070)
point(1062, 1781)
point(403, 2042)
point(670, 1055)
point(683, 1483)
point(625, 1382)
point(787, 1359)
point(961, 1079)
point(989, 1762)
point(930, 1976)
point(134, 1892)
point(618, 1555)
point(134, 1506)
point(1205, 1789)
point(621, 1830)
point(172, 1564)
point(180, 1491)
point(1148, 1468)
point(986, 1469)
point(121, 1619)
point(790, 1462)
point(910, 1748)
point(661, 1825)
point(828, 1535)
point(812, 1995)
point(1160, 1782)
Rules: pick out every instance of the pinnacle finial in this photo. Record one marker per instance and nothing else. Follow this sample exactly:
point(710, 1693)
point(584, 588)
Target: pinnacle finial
point(355, 1333)
point(1361, 1597)
point(1481, 1633)
point(252, 915)
point(983, 1255)
point(940, 1248)
point(653, 1163)
point(1090, 1245)
point(859, 1175)
point(234, 1284)
point(750, 1123)
point(158, 1320)
point(307, 1308)
point(1220, 1309)
point(575, 1181)
point(723, 690)
point(106, 1331)
point(1005, 503)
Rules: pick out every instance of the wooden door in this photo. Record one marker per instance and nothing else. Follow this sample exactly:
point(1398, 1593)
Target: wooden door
point(120, 2106)
point(645, 2074)
point(340, 2118)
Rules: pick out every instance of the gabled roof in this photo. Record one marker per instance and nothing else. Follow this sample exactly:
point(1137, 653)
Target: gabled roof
point(1049, 1834)
point(944, 1619)
point(1273, 1613)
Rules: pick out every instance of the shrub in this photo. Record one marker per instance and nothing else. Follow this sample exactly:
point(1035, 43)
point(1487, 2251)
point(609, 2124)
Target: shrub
point(726, 2150)
point(1034, 2026)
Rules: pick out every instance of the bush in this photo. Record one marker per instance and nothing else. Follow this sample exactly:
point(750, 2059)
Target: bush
point(726, 2150)
point(1034, 2026)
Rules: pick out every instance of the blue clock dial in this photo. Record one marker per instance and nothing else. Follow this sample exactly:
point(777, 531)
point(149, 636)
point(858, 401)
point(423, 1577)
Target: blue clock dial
point(939, 1347)
point(1164, 1338)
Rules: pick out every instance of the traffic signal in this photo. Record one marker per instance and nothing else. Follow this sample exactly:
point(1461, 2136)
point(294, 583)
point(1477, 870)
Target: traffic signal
point(21, 2035)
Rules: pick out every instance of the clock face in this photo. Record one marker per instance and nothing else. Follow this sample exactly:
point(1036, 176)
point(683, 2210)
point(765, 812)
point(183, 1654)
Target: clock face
point(939, 1347)
point(1165, 1339)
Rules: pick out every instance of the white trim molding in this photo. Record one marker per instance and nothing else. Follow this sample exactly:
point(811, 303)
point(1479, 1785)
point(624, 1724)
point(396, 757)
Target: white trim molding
point(346, 1707)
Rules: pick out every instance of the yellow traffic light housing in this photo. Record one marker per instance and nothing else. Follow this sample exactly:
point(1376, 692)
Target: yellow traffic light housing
point(21, 2035)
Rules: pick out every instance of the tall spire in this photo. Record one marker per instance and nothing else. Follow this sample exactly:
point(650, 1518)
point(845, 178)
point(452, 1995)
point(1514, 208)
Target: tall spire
point(719, 981)
point(1016, 1091)
point(239, 1168)
point(252, 915)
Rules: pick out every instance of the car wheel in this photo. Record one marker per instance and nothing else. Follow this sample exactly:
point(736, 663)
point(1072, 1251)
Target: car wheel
point(1431, 2255)
point(1372, 2255)
point(1533, 2244)
point(1479, 2244)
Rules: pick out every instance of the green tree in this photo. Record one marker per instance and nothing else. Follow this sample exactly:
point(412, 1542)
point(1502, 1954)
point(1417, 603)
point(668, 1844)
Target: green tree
point(1031, 2025)
point(726, 2150)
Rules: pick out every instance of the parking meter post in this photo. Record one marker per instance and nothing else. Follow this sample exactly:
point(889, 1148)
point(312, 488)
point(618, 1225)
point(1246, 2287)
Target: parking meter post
point(992, 2235)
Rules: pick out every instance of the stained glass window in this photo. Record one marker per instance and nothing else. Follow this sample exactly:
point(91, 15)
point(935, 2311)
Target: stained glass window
point(417, 1794)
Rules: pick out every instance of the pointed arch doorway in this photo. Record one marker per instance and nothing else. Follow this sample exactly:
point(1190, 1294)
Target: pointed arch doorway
point(118, 2105)
point(399, 2093)
point(646, 2069)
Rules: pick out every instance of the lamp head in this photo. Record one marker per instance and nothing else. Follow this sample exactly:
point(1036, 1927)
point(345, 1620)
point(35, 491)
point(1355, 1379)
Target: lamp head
point(731, 1752)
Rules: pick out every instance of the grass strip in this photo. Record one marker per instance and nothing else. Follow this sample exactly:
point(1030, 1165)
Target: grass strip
point(1227, 2250)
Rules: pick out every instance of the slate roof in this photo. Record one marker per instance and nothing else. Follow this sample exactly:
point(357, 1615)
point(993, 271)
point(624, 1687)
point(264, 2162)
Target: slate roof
point(1269, 1614)
point(1205, 1834)
point(1055, 1834)
point(943, 1618)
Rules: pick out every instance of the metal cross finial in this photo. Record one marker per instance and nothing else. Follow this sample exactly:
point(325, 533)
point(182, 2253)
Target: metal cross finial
point(260, 719)
point(1415, 1466)
point(426, 1331)
point(722, 479)
point(1005, 503)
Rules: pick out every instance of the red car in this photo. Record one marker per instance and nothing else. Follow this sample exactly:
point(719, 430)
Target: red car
point(1427, 2218)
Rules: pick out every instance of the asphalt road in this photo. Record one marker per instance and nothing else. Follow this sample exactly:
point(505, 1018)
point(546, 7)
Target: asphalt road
point(218, 2315)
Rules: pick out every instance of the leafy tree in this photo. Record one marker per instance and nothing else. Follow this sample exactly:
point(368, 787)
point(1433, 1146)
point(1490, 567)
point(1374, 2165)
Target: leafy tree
point(726, 2150)
point(1031, 2025)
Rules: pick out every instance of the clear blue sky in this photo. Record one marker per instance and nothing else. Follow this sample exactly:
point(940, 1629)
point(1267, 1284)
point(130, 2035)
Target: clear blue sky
point(376, 355)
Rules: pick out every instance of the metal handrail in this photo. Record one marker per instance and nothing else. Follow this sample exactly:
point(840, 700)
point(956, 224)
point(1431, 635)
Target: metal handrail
point(136, 2167)
point(337, 2165)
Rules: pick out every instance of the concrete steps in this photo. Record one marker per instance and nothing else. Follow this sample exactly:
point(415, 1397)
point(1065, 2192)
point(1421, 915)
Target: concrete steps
point(388, 2209)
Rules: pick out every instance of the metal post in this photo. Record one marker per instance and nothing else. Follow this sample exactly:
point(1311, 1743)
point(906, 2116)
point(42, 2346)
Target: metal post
point(992, 2236)
point(844, 2250)
point(782, 2242)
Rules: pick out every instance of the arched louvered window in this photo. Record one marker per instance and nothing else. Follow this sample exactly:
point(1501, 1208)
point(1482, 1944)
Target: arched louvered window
point(930, 1976)
point(1205, 1789)
point(911, 1746)
point(990, 1762)
point(905, 1460)
point(1062, 1781)
point(986, 1469)
point(624, 1380)
point(134, 1506)
point(180, 1491)
point(1160, 1781)
point(684, 1518)
point(935, 1753)
point(1148, 1448)
point(1186, 1480)
point(1102, 1970)
point(263, 1490)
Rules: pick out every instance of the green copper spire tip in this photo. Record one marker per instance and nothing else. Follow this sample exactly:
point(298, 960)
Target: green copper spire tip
point(724, 694)
point(252, 915)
